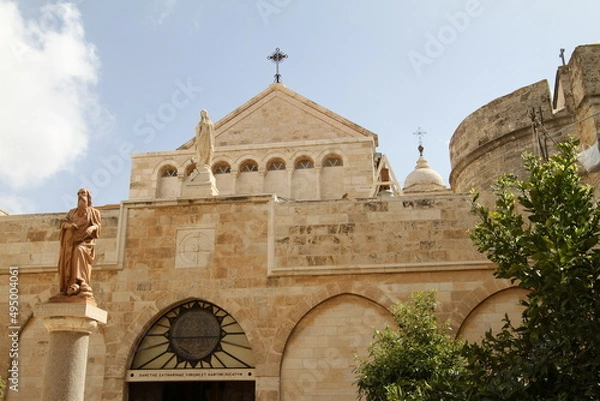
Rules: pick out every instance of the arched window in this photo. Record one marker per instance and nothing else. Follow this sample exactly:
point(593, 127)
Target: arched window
point(167, 185)
point(304, 163)
point(221, 168)
point(194, 335)
point(168, 171)
point(333, 161)
point(248, 166)
point(276, 164)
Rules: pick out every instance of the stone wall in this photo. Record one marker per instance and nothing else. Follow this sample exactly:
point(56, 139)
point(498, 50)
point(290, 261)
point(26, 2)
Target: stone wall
point(490, 141)
point(355, 176)
point(294, 275)
point(277, 124)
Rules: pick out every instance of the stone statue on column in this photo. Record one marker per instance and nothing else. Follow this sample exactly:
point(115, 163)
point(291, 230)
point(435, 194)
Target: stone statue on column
point(72, 315)
point(78, 233)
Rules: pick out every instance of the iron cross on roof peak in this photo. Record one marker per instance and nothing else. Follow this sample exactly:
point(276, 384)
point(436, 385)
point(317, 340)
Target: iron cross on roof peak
point(277, 57)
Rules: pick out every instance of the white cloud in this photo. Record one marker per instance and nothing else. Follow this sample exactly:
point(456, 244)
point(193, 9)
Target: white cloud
point(14, 204)
point(162, 8)
point(47, 75)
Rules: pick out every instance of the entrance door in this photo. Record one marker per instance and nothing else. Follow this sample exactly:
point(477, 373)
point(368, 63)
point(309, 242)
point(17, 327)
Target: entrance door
point(192, 391)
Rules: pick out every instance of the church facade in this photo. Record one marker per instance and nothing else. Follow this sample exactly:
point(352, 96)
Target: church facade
point(262, 277)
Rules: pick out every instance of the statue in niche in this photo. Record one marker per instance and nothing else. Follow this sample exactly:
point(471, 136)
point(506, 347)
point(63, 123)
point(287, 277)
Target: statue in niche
point(78, 233)
point(205, 141)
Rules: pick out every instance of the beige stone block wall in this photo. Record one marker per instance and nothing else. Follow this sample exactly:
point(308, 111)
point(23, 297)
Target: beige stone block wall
point(320, 354)
point(403, 233)
point(275, 267)
point(355, 177)
point(32, 241)
point(333, 182)
point(249, 183)
point(277, 182)
point(278, 115)
point(490, 313)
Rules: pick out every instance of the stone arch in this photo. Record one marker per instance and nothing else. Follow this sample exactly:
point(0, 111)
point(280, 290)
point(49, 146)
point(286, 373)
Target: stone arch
point(474, 298)
point(277, 180)
point(224, 182)
point(275, 163)
point(249, 181)
point(125, 344)
point(365, 290)
point(319, 352)
point(490, 313)
point(299, 154)
point(329, 153)
point(274, 155)
point(169, 186)
point(332, 180)
point(162, 164)
point(168, 170)
point(221, 167)
point(236, 164)
point(166, 343)
point(305, 181)
point(117, 385)
point(304, 158)
point(248, 165)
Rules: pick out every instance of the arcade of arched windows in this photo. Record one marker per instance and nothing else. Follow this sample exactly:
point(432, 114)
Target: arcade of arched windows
point(307, 177)
point(277, 163)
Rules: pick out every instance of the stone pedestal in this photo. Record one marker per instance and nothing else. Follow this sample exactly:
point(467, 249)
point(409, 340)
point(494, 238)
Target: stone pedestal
point(69, 325)
point(201, 183)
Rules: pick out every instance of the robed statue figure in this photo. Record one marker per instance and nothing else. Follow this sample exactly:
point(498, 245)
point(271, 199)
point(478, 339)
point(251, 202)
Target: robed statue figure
point(78, 233)
point(205, 141)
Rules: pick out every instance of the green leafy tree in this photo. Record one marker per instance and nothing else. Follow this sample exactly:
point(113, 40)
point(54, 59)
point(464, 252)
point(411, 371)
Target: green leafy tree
point(417, 360)
point(543, 235)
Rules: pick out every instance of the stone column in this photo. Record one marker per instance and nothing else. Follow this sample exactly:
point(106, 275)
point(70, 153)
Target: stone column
point(69, 325)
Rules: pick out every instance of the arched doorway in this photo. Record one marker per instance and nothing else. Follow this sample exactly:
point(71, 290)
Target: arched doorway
point(192, 391)
point(196, 351)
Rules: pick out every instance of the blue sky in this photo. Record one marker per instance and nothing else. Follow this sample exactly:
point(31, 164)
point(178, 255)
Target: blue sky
point(86, 83)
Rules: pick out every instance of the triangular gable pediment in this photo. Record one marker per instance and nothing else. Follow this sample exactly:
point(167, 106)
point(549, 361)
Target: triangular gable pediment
point(279, 115)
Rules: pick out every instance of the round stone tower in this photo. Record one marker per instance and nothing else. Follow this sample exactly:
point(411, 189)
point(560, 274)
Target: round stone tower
point(490, 141)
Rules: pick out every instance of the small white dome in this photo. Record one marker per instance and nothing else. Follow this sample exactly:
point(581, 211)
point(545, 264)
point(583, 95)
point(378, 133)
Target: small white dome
point(423, 179)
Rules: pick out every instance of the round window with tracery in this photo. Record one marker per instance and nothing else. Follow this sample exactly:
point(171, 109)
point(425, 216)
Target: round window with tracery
point(194, 335)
